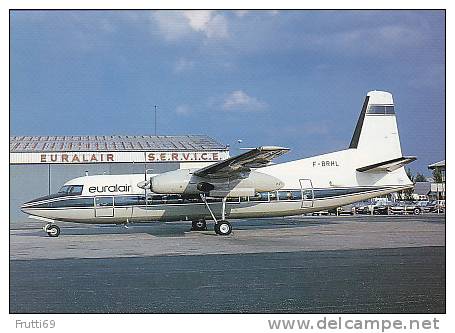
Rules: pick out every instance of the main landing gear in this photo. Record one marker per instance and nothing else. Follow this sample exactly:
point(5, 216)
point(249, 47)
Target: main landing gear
point(222, 227)
point(52, 230)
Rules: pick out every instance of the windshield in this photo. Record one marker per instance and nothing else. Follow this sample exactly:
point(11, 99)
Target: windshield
point(71, 189)
point(75, 189)
point(64, 189)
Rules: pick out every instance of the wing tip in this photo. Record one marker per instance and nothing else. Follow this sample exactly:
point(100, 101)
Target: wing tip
point(272, 148)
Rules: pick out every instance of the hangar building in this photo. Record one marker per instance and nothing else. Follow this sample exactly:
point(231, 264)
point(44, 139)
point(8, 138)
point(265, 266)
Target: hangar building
point(40, 165)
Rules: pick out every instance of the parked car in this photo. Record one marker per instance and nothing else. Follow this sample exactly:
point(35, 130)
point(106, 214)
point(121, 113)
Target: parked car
point(406, 207)
point(428, 206)
point(441, 204)
point(348, 209)
point(320, 213)
point(363, 207)
point(344, 210)
point(381, 210)
point(377, 208)
point(435, 206)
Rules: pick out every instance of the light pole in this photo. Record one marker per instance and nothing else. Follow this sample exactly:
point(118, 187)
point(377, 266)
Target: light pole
point(155, 120)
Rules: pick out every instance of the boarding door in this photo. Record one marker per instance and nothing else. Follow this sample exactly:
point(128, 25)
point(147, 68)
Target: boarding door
point(104, 206)
point(307, 193)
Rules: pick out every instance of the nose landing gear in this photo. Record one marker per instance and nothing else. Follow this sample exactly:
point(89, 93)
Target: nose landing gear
point(199, 225)
point(52, 230)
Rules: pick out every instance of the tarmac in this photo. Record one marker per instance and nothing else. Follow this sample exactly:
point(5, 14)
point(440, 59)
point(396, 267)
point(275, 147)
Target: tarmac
point(352, 264)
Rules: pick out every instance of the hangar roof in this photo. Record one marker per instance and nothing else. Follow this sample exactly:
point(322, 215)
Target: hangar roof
point(35, 144)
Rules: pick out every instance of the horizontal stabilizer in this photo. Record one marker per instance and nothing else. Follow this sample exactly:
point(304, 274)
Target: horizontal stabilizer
point(389, 165)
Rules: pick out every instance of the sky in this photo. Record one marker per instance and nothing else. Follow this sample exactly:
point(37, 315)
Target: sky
point(287, 78)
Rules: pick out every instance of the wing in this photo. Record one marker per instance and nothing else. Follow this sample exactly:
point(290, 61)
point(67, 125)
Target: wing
point(255, 158)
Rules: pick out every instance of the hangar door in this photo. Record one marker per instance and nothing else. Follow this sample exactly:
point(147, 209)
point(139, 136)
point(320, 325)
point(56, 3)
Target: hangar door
point(307, 193)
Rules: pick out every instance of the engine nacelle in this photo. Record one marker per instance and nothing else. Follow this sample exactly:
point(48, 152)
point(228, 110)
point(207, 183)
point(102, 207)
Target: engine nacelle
point(183, 181)
point(175, 182)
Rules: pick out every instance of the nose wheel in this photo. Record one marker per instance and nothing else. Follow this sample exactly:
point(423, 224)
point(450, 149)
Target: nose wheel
point(199, 225)
point(52, 230)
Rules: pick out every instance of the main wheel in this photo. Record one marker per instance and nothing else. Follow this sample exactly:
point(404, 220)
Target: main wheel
point(223, 228)
point(416, 211)
point(199, 225)
point(53, 230)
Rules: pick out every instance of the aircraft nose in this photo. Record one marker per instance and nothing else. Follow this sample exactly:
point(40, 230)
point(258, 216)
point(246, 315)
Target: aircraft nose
point(25, 210)
point(26, 206)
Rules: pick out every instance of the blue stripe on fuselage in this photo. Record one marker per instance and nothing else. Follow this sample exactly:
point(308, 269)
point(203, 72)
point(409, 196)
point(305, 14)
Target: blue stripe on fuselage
point(50, 202)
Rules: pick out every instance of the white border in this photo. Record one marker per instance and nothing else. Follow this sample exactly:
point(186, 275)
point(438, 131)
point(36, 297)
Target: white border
point(202, 323)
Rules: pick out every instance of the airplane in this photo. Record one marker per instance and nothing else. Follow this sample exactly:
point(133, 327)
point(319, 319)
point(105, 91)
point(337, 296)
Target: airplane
point(244, 186)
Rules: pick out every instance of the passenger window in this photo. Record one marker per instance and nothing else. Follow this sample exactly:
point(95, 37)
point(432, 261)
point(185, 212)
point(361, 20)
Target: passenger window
point(307, 195)
point(233, 199)
point(273, 196)
point(104, 201)
point(296, 195)
point(141, 200)
point(243, 199)
point(125, 200)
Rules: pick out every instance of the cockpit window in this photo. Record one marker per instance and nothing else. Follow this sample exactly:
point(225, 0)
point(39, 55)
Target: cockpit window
point(75, 189)
point(64, 189)
point(71, 189)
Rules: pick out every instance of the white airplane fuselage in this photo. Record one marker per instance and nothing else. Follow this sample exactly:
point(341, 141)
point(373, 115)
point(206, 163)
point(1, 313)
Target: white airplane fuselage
point(308, 185)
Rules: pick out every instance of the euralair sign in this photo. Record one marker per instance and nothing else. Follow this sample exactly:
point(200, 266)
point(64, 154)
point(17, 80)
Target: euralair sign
point(116, 157)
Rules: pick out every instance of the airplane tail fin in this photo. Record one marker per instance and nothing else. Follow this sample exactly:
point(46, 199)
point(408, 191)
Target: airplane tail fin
point(376, 133)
